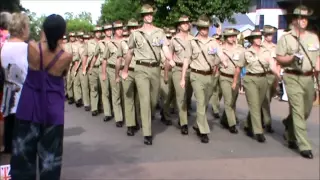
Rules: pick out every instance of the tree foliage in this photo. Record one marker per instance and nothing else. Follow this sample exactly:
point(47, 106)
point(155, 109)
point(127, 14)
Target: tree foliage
point(79, 22)
point(168, 11)
point(123, 10)
point(35, 25)
point(11, 6)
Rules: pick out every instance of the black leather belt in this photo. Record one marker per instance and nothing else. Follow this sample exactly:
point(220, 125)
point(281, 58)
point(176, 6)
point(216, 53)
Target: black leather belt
point(299, 73)
point(148, 64)
point(226, 75)
point(96, 66)
point(201, 72)
point(256, 74)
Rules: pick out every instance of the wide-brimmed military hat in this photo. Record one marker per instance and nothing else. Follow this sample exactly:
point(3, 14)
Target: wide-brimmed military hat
point(72, 34)
point(80, 34)
point(183, 19)
point(107, 26)
point(168, 33)
point(230, 32)
point(172, 30)
point(86, 36)
point(117, 24)
point(267, 29)
point(97, 28)
point(302, 11)
point(216, 36)
point(133, 23)
point(147, 9)
point(254, 33)
point(125, 32)
point(203, 21)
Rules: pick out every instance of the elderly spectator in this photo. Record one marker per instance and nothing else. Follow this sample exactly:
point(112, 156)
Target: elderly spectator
point(5, 18)
point(14, 62)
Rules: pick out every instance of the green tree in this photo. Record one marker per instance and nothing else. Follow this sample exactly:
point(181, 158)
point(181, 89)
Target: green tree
point(168, 11)
point(11, 6)
point(35, 25)
point(79, 22)
point(113, 10)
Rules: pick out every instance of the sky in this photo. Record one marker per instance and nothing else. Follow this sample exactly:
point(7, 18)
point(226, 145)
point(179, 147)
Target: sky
point(47, 7)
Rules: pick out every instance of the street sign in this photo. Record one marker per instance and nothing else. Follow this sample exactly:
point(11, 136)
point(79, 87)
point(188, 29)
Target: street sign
point(4, 172)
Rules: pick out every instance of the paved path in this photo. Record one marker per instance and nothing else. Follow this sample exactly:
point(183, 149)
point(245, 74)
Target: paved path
point(98, 151)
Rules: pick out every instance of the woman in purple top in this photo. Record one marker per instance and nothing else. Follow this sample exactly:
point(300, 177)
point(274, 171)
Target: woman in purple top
point(40, 113)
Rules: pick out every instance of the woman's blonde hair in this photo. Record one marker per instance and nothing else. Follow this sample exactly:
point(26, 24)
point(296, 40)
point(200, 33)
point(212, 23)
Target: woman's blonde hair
point(5, 19)
point(18, 24)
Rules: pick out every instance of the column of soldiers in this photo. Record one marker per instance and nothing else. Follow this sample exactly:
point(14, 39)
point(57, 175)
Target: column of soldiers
point(125, 73)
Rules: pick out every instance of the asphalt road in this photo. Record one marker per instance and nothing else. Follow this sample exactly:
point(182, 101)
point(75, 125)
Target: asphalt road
point(97, 150)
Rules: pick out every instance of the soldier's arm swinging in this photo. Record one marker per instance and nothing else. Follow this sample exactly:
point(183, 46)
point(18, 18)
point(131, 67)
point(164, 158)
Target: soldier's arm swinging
point(128, 59)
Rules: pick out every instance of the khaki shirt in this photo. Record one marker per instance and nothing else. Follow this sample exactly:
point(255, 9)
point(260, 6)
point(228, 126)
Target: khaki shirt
point(99, 49)
point(256, 62)
point(181, 48)
point(234, 59)
point(141, 48)
point(73, 48)
point(113, 50)
point(122, 51)
point(288, 45)
point(210, 48)
point(90, 49)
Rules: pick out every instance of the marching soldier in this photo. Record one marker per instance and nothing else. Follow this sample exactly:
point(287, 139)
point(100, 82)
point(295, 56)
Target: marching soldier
point(217, 37)
point(105, 85)
point(109, 60)
point(180, 46)
point(92, 69)
point(75, 74)
point(268, 32)
point(147, 43)
point(84, 79)
point(257, 60)
point(203, 64)
point(71, 47)
point(229, 78)
point(131, 101)
point(166, 87)
point(298, 51)
point(65, 41)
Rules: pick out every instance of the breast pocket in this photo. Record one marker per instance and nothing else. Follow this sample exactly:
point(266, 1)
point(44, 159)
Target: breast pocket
point(139, 41)
point(178, 49)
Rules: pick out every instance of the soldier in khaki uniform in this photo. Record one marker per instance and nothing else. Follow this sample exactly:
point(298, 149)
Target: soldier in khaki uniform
point(229, 78)
point(109, 64)
point(84, 79)
point(203, 64)
point(217, 37)
point(180, 46)
point(166, 87)
point(131, 100)
point(268, 32)
point(71, 47)
point(257, 60)
point(298, 51)
point(105, 85)
point(65, 41)
point(76, 75)
point(146, 43)
point(92, 69)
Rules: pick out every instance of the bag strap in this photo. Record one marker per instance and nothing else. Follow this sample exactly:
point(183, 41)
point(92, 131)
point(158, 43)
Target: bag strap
point(179, 43)
point(304, 50)
point(230, 59)
point(154, 53)
point(264, 70)
point(205, 57)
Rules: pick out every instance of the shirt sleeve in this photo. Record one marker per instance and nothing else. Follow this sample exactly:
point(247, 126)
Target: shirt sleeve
point(242, 61)
point(97, 49)
point(106, 52)
point(85, 50)
point(281, 48)
point(131, 43)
